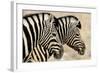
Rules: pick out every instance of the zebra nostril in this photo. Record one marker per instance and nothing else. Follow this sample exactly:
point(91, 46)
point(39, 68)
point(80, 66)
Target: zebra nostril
point(59, 54)
point(81, 51)
point(56, 55)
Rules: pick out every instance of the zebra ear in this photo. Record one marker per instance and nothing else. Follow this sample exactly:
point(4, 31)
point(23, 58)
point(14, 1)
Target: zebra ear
point(49, 21)
point(51, 18)
point(79, 25)
point(56, 23)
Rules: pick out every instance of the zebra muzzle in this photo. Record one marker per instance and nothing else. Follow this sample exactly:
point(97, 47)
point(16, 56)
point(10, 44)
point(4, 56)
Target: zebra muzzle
point(58, 54)
point(81, 51)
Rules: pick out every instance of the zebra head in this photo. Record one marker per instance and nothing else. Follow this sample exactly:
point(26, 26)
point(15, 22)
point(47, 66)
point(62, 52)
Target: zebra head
point(50, 40)
point(68, 29)
point(74, 39)
point(55, 47)
point(51, 43)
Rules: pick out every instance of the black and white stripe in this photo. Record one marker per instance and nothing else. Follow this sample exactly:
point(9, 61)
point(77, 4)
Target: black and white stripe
point(68, 31)
point(39, 38)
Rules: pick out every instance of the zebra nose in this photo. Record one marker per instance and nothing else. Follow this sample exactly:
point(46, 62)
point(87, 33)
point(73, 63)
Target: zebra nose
point(81, 50)
point(59, 54)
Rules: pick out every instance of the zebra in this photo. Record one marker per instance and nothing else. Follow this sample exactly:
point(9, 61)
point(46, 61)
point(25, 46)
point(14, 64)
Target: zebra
point(40, 40)
point(68, 29)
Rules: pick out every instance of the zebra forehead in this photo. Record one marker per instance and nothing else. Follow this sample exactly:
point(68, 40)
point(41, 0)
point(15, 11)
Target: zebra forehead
point(74, 25)
point(73, 20)
point(76, 21)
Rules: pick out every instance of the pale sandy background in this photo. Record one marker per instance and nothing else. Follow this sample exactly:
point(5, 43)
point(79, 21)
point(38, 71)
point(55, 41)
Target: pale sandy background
point(69, 53)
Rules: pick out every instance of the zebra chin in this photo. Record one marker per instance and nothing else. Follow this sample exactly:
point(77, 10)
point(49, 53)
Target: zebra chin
point(58, 54)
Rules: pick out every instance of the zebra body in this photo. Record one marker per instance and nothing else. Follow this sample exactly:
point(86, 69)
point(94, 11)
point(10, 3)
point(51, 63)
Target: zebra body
point(68, 31)
point(39, 38)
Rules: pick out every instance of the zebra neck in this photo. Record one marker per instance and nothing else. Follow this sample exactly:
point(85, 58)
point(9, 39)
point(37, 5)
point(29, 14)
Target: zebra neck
point(60, 36)
point(44, 39)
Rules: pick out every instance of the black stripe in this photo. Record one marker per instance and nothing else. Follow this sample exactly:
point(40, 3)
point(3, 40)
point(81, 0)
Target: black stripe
point(73, 17)
point(69, 19)
point(40, 54)
point(60, 30)
point(63, 27)
point(41, 49)
point(71, 39)
point(26, 58)
point(32, 56)
point(39, 22)
point(36, 53)
point(45, 39)
point(61, 34)
point(69, 26)
point(32, 32)
point(36, 28)
point(66, 26)
point(56, 45)
point(52, 40)
point(43, 19)
point(23, 49)
point(54, 48)
point(45, 43)
point(44, 54)
point(28, 38)
point(76, 41)
point(47, 36)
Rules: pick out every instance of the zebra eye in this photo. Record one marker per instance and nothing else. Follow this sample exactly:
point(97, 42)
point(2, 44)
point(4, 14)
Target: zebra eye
point(53, 34)
point(54, 23)
point(77, 34)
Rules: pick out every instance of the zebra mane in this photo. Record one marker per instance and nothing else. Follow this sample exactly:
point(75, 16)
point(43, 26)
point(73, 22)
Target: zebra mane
point(78, 23)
